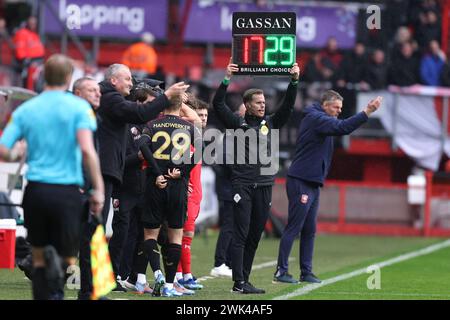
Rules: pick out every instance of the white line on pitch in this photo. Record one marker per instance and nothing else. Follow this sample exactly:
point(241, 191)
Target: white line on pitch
point(400, 294)
point(267, 264)
point(407, 256)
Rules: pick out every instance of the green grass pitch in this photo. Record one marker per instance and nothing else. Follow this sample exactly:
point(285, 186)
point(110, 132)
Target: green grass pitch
point(423, 277)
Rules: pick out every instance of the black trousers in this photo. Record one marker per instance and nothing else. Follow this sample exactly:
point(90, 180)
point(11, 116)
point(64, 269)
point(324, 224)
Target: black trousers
point(129, 264)
point(118, 246)
point(251, 210)
point(88, 227)
point(223, 246)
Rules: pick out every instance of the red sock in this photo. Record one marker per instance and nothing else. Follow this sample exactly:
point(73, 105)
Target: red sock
point(185, 260)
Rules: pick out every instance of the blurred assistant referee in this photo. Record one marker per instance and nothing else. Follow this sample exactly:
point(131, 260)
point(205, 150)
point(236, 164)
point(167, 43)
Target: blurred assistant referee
point(312, 160)
point(252, 190)
point(57, 127)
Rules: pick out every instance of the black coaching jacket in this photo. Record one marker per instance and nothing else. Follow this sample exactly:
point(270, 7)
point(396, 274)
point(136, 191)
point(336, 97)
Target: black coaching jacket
point(248, 173)
point(115, 112)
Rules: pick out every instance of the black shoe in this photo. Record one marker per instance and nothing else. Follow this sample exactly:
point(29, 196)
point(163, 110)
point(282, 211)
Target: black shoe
point(238, 287)
point(246, 288)
point(284, 278)
point(252, 289)
point(310, 277)
point(119, 287)
point(26, 265)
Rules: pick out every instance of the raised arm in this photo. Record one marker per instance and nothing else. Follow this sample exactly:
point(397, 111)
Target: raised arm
point(132, 112)
point(190, 115)
point(331, 126)
point(224, 113)
point(282, 115)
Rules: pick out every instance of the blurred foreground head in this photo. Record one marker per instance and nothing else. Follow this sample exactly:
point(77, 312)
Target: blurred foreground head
point(58, 71)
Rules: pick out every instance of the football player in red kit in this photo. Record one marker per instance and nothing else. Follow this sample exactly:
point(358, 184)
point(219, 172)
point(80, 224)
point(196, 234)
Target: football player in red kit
point(184, 274)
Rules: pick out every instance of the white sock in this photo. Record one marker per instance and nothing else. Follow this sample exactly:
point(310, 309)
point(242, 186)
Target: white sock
point(168, 285)
point(141, 278)
point(179, 275)
point(187, 276)
point(157, 273)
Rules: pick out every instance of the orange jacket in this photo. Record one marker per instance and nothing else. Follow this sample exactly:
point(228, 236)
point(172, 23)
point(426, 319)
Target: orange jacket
point(142, 57)
point(28, 44)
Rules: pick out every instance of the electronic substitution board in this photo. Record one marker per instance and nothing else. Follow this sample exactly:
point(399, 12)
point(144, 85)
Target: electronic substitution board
point(264, 43)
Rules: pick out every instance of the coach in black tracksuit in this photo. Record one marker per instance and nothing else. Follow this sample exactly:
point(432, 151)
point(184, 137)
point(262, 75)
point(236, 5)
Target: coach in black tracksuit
point(126, 219)
point(312, 160)
point(252, 190)
point(126, 225)
point(116, 113)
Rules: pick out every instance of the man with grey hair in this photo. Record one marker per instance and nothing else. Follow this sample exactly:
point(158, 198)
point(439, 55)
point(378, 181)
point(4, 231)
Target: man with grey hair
point(115, 113)
point(307, 173)
point(88, 89)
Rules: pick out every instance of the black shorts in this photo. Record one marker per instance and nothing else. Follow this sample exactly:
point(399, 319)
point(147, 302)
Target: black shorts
point(168, 204)
point(52, 215)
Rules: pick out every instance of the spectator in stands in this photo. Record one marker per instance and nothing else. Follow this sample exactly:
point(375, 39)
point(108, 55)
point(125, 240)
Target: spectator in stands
point(432, 65)
point(429, 29)
point(141, 57)
point(353, 66)
point(4, 36)
point(419, 11)
point(397, 14)
point(332, 53)
point(28, 45)
point(350, 77)
point(402, 35)
point(319, 69)
point(404, 69)
point(376, 71)
point(332, 56)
